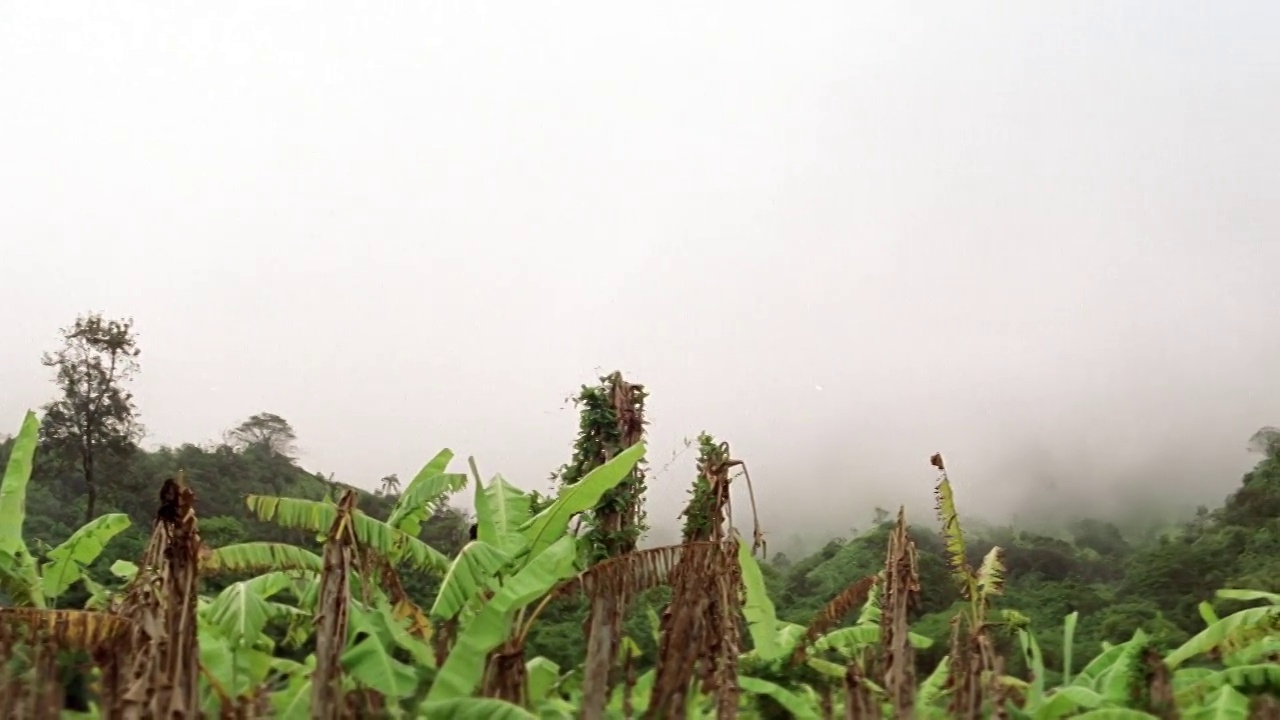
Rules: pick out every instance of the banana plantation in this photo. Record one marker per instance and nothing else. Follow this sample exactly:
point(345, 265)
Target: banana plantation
point(326, 629)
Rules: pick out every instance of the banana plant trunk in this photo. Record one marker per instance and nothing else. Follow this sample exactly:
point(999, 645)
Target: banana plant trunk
point(603, 633)
point(506, 677)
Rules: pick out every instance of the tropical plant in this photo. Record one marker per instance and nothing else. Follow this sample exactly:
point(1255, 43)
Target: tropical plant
point(23, 578)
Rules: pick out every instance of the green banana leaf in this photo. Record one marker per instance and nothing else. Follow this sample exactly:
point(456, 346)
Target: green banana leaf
point(757, 607)
point(67, 561)
point(463, 670)
point(430, 484)
point(550, 525)
point(501, 509)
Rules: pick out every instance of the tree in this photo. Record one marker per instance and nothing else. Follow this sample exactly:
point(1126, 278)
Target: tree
point(267, 431)
point(1266, 441)
point(95, 420)
point(389, 485)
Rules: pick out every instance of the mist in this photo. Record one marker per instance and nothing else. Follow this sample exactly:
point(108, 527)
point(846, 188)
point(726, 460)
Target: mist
point(1040, 240)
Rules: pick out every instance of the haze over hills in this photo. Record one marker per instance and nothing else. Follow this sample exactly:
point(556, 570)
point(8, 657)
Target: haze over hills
point(1041, 242)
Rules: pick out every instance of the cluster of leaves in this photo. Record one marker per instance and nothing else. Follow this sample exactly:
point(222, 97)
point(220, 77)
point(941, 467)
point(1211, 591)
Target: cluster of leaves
point(604, 410)
point(702, 512)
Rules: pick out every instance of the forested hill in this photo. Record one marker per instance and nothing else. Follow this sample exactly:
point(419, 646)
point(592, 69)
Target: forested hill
point(222, 475)
point(1117, 583)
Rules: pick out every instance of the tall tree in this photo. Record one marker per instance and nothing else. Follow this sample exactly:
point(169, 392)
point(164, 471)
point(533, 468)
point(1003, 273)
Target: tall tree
point(389, 485)
point(1266, 441)
point(266, 431)
point(95, 422)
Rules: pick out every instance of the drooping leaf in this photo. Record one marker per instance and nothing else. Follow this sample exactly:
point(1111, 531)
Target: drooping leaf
point(791, 702)
point(67, 561)
point(260, 557)
point(79, 629)
point(317, 517)
point(1065, 701)
point(1115, 714)
point(1236, 628)
point(476, 565)
point(474, 709)
point(370, 663)
point(849, 640)
point(638, 570)
point(835, 609)
point(1249, 595)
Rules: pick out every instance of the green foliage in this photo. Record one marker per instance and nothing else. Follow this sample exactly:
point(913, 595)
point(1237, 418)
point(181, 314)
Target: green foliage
point(264, 432)
point(93, 422)
point(18, 577)
point(21, 578)
point(600, 438)
point(700, 515)
point(425, 493)
point(67, 562)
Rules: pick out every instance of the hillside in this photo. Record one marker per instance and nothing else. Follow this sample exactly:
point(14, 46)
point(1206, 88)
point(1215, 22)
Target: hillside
point(221, 476)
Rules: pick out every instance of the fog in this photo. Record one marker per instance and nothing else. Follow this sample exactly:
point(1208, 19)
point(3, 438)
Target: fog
point(1041, 239)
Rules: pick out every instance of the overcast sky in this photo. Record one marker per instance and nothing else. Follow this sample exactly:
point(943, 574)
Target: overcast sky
point(1040, 238)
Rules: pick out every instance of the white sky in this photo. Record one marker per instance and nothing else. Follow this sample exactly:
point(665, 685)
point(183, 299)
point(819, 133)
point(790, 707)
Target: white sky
point(1042, 238)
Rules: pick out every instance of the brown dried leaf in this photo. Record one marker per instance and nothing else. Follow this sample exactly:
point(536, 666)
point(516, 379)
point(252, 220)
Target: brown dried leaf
point(834, 611)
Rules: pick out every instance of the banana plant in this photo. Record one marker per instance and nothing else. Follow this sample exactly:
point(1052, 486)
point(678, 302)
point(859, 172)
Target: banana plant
point(236, 654)
point(774, 640)
point(26, 581)
point(394, 541)
point(424, 493)
point(515, 561)
point(1248, 644)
